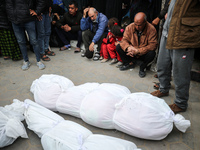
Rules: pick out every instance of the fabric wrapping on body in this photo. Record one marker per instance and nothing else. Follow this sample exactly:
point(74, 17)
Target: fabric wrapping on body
point(59, 134)
point(113, 106)
point(98, 108)
point(10, 126)
point(48, 88)
point(148, 117)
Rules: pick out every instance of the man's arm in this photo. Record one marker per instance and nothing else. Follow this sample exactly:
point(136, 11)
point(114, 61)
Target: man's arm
point(62, 21)
point(84, 25)
point(125, 42)
point(76, 27)
point(152, 42)
point(101, 28)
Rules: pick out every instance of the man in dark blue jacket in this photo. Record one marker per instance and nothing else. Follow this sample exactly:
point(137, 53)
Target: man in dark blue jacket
point(22, 14)
point(95, 26)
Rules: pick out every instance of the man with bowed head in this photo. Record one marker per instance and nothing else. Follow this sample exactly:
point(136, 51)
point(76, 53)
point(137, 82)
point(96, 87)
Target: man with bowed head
point(95, 29)
point(139, 42)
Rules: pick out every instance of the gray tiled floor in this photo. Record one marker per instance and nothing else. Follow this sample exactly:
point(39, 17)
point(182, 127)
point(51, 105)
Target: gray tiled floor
point(15, 83)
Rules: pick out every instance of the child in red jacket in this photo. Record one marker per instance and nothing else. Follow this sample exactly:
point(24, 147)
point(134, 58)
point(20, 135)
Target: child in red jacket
point(108, 46)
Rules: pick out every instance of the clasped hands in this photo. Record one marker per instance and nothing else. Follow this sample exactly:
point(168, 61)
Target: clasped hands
point(66, 28)
point(132, 51)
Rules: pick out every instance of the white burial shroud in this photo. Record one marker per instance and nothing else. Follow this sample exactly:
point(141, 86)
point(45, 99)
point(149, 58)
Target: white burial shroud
point(11, 126)
point(109, 106)
point(59, 134)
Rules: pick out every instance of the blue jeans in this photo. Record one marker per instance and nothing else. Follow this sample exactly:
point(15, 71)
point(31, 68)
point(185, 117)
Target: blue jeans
point(19, 30)
point(44, 32)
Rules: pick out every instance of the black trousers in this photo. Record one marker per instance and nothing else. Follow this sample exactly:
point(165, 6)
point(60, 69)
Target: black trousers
point(146, 58)
point(87, 37)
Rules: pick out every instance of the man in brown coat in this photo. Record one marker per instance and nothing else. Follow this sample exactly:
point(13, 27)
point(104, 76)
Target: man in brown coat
point(180, 35)
point(139, 42)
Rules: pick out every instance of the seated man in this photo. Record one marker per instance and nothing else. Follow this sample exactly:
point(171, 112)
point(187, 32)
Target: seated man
point(68, 28)
point(95, 29)
point(139, 42)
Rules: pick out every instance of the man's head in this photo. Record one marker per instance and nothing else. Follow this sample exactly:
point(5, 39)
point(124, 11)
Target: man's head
point(73, 7)
point(92, 13)
point(140, 21)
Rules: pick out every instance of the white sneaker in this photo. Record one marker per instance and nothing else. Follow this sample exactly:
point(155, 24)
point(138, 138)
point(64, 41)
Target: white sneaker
point(41, 65)
point(25, 65)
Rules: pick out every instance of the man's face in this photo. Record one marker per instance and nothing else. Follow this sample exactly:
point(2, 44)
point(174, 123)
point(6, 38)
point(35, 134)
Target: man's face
point(72, 9)
point(139, 25)
point(93, 16)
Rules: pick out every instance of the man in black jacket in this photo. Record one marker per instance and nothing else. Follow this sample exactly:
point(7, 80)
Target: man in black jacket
point(22, 14)
point(68, 28)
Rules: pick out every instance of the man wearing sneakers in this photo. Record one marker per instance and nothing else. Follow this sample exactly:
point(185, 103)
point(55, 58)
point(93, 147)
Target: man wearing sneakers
point(22, 14)
point(180, 36)
point(94, 29)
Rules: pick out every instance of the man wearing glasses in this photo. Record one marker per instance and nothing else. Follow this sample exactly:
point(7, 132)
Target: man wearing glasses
point(139, 42)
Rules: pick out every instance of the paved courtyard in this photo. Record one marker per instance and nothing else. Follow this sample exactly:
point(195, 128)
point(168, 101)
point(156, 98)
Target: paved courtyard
point(15, 84)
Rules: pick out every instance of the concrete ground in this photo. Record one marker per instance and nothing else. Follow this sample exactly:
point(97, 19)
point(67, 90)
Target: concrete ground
point(15, 84)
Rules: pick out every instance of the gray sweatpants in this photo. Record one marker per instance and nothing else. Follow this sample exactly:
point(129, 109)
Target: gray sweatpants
point(179, 62)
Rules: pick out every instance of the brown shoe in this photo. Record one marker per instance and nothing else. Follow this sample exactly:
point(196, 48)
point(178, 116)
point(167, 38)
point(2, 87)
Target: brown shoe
point(159, 94)
point(176, 109)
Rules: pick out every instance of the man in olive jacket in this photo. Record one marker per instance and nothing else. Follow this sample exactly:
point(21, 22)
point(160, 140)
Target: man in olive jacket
point(180, 35)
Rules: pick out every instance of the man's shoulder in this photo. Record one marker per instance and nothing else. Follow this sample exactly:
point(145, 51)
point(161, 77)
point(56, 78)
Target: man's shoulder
point(102, 17)
point(131, 27)
point(150, 27)
point(79, 13)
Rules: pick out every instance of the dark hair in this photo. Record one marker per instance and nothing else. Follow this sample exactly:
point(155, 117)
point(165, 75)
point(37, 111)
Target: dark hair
point(73, 2)
point(112, 21)
point(117, 31)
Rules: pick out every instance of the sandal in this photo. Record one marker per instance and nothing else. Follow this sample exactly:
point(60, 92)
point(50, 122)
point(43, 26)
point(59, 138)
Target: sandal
point(49, 53)
point(156, 85)
point(45, 58)
point(65, 48)
point(6, 57)
point(77, 50)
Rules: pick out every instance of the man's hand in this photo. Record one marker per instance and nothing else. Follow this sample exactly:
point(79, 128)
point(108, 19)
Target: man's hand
point(53, 22)
point(32, 12)
point(165, 16)
point(156, 21)
point(132, 51)
point(91, 47)
point(39, 17)
point(85, 12)
point(67, 28)
point(57, 16)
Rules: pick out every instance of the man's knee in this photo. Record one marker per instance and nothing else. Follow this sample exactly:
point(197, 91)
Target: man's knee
point(118, 48)
point(89, 54)
point(85, 34)
point(151, 54)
